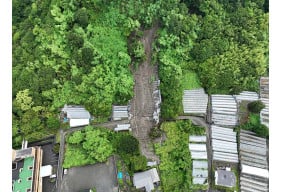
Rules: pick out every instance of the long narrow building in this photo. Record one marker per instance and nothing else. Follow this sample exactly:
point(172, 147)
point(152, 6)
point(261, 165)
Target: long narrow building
point(264, 97)
point(254, 163)
point(223, 138)
point(195, 102)
point(198, 150)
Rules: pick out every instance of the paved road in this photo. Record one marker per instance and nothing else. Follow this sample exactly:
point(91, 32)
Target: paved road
point(110, 125)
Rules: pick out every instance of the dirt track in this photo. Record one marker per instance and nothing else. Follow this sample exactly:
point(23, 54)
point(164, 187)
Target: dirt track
point(142, 103)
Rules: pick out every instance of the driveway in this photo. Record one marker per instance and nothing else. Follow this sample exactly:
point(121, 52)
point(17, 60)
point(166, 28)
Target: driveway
point(102, 176)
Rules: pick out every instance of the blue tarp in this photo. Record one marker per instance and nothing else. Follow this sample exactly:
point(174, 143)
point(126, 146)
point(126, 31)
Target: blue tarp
point(120, 175)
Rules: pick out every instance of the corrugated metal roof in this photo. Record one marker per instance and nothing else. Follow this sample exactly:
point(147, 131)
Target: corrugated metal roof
point(247, 96)
point(120, 112)
point(198, 155)
point(199, 139)
point(200, 164)
point(76, 112)
point(264, 87)
point(195, 101)
point(254, 171)
point(264, 114)
point(225, 156)
point(224, 144)
point(146, 179)
point(122, 127)
point(197, 147)
point(224, 110)
point(254, 166)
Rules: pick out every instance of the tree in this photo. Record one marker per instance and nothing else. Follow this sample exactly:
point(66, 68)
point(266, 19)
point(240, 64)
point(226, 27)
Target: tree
point(75, 40)
point(76, 138)
point(87, 55)
point(23, 100)
point(97, 145)
point(53, 123)
point(256, 106)
point(127, 144)
point(138, 163)
point(81, 17)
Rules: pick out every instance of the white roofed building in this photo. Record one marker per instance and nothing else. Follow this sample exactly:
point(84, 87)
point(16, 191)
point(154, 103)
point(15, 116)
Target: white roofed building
point(195, 102)
point(76, 115)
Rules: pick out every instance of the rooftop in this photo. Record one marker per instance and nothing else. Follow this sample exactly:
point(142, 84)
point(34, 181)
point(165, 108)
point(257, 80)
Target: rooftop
point(195, 101)
point(146, 179)
point(225, 178)
point(25, 176)
point(76, 112)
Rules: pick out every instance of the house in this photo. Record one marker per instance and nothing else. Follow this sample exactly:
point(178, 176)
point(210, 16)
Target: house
point(225, 178)
point(76, 115)
point(26, 164)
point(195, 102)
point(146, 179)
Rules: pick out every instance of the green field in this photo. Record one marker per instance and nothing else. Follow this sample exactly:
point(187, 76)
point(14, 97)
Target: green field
point(190, 80)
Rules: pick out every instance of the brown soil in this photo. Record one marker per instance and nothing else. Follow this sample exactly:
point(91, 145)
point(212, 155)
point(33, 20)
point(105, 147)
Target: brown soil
point(142, 103)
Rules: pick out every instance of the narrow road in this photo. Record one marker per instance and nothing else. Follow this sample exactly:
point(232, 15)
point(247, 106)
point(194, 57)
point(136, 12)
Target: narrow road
point(142, 103)
point(63, 133)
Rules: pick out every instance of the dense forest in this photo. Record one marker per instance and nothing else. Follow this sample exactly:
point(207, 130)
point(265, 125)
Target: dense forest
point(84, 52)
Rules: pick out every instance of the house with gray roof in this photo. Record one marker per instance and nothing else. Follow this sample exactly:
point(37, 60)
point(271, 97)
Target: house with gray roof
point(146, 179)
point(76, 115)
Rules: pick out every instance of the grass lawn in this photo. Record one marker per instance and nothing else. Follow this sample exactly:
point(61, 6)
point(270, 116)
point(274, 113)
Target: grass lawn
point(190, 80)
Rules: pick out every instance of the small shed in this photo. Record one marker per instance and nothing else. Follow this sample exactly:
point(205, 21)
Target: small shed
point(46, 170)
point(76, 115)
point(122, 127)
point(120, 112)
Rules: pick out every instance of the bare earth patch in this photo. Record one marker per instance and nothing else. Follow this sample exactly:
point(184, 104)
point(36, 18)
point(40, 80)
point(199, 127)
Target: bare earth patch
point(142, 103)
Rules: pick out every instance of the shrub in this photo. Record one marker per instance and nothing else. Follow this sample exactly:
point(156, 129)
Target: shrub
point(81, 17)
point(262, 131)
point(138, 163)
point(155, 133)
point(56, 148)
point(127, 144)
point(255, 106)
point(53, 123)
point(75, 40)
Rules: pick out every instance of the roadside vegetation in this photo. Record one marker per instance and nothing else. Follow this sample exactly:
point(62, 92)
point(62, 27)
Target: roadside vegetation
point(92, 145)
point(250, 118)
point(176, 163)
